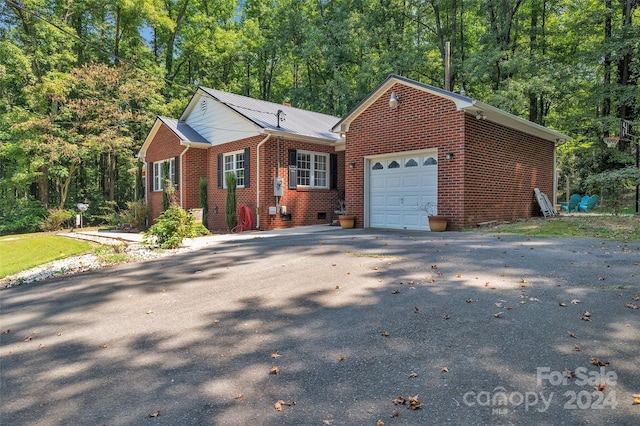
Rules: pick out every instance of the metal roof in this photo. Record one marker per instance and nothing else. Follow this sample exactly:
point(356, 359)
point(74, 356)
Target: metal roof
point(293, 121)
point(182, 130)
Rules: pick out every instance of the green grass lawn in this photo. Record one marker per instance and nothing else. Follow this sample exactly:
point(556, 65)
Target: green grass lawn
point(623, 228)
point(21, 252)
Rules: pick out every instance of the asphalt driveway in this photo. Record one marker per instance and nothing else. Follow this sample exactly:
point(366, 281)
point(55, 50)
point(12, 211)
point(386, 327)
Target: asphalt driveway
point(477, 328)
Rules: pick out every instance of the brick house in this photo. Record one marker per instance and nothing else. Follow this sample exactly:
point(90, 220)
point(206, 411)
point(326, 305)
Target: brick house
point(405, 148)
point(410, 147)
point(289, 165)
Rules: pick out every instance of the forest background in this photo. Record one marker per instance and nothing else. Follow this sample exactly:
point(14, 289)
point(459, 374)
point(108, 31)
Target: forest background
point(81, 81)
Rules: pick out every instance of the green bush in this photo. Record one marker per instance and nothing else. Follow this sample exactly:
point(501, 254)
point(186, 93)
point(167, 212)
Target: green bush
point(135, 214)
point(230, 206)
point(56, 219)
point(20, 216)
point(172, 227)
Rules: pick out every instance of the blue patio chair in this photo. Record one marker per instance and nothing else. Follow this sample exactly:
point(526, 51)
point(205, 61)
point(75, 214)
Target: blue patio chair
point(593, 200)
point(574, 200)
point(583, 202)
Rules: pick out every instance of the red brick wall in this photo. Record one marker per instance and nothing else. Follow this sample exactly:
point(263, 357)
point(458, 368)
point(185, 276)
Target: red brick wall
point(421, 121)
point(502, 167)
point(491, 176)
point(304, 205)
point(165, 145)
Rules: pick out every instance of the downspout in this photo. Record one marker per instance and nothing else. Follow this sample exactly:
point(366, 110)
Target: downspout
point(258, 179)
point(180, 171)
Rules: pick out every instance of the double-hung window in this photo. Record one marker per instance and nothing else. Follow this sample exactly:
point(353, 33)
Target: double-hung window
point(312, 169)
point(234, 163)
point(159, 170)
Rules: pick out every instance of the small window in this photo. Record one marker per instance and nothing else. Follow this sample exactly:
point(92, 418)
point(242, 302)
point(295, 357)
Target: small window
point(312, 169)
point(377, 166)
point(429, 161)
point(234, 163)
point(158, 178)
point(411, 162)
point(394, 165)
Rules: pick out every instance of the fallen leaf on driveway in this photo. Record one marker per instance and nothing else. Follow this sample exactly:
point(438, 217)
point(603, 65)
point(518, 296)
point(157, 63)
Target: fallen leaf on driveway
point(149, 312)
point(600, 387)
point(413, 374)
point(340, 357)
point(585, 318)
point(275, 370)
point(445, 316)
point(636, 398)
point(469, 300)
point(631, 306)
point(564, 305)
point(572, 334)
point(414, 404)
point(155, 414)
point(445, 369)
point(568, 374)
point(587, 314)
point(599, 363)
point(328, 421)
point(395, 413)
point(7, 331)
point(28, 339)
point(379, 423)
point(385, 333)
point(577, 348)
point(498, 315)
point(278, 405)
point(575, 301)
point(239, 396)
point(395, 291)
point(274, 353)
point(399, 401)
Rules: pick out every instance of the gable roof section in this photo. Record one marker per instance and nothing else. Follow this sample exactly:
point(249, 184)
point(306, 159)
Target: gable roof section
point(464, 103)
point(294, 122)
point(184, 132)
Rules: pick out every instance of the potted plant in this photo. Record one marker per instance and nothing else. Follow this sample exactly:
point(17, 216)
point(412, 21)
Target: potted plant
point(437, 223)
point(346, 220)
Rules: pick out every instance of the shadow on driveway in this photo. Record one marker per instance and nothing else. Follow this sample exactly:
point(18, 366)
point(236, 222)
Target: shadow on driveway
point(351, 318)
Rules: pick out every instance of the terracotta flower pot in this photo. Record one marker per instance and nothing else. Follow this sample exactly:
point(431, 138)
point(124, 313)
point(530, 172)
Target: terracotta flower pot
point(438, 223)
point(347, 221)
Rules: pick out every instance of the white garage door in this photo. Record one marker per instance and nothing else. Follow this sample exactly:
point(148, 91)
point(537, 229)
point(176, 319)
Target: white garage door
point(399, 189)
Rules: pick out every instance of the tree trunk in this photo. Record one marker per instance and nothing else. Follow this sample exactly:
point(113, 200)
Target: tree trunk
point(64, 190)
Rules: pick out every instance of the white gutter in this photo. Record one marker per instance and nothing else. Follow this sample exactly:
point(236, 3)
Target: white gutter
point(180, 171)
point(258, 179)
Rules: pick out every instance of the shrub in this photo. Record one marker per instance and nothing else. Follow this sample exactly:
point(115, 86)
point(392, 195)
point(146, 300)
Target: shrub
point(230, 207)
point(204, 200)
point(21, 215)
point(135, 214)
point(172, 227)
point(56, 218)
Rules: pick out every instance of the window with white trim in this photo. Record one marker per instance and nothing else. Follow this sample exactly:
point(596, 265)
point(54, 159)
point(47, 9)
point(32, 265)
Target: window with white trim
point(234, 163)
point(158, 178)
point(313, 169)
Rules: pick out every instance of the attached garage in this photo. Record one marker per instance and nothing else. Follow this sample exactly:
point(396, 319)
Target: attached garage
point(409, 145)
point(400, 188)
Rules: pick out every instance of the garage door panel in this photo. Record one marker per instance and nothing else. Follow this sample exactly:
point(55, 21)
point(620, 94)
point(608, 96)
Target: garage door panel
point(396, 194)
